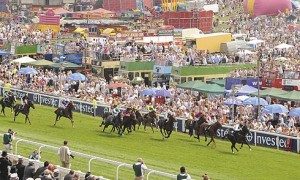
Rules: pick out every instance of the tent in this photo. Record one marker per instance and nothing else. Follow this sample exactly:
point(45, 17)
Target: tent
point(283, 46)
point(191, 84)
point(211, 88)
point(41, 63)
point(220, 82)
point(61, 11)
point(247, 90)
point(3, 53)
point(65, 64)
point(269, 92)
point(23, 60)
point(290, 96)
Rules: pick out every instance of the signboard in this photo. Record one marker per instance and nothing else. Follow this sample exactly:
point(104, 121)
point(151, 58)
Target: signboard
point(165, 32)
point(122, 36)
point(291, 82)
point(244, 81)
point(80, 106)
point(74, 58)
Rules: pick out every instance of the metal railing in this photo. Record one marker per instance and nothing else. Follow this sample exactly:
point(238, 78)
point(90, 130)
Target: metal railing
point(92, 158)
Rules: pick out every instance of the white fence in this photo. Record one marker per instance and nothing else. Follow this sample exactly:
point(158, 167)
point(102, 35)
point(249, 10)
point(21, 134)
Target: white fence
point(91, 158)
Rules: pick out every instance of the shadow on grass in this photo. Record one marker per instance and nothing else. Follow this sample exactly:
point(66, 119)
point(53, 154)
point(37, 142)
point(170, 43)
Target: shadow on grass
point(109, 135)
point(158, 139)
point(57, 126)
point(188, 139)
point(17, 121)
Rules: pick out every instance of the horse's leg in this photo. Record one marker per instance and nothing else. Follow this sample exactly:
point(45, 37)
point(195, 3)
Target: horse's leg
point(151, 125)
point(211, 140)
point(27, 118)
point(72, 121)
point(56, 119)
point(169, 133)
point(205, 136)
point(242, 145)
point(235, 147)
point(11, 109)
point(162, 134)
point(248, 145)
point(15, 116)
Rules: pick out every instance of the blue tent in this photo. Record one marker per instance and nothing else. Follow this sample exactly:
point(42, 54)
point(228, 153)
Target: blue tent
point(245, 90)
point(3, 53)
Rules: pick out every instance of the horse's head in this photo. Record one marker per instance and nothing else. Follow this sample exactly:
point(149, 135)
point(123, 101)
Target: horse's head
point(30, 103)
point(171, 118)
point(12, 98)
point(71, 106)
point(153, 114)
point(245, 130)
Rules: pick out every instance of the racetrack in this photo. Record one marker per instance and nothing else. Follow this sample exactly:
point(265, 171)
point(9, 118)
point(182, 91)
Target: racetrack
point(167, 155)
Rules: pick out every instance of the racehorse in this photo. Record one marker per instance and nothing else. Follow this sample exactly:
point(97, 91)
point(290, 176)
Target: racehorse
point(127, 122)
point(107, 120)
point(24, 109)
point(166, 128)
point(192, 125)
point(150, 119)
point(239, 137)
point(8, 103)
point(138, 119)
point(209, 130)
point(117, 124)
point(65, 112)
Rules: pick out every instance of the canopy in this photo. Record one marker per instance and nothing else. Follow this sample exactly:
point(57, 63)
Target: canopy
point(24, 59)
point(3, 53)
point(283, 46)
point(274, 108)
point(41, 63)
point(191, 84)
point(80, 30)
point(254, 101)
point(108, 31)
point(290, 96)
point(247, 90)
point(220, 82)
point(76, 77)
point(65, 64)
point(61, 11)
point(210, 88)
point(269, 92)
point(295, 112)
point(27, 70)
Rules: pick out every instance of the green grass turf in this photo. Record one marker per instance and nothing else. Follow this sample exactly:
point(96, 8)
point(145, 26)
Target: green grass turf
point(167, 155)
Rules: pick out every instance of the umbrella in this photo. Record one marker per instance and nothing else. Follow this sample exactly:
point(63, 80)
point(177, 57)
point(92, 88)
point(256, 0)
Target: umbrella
point(27, 70)
point(233, 100)
point(254, 101)
point(163, 92)
point(76, 77)
point(117, 85)
point(242, 98)
point(295, 112)
point(149, 92)
point(274, 108)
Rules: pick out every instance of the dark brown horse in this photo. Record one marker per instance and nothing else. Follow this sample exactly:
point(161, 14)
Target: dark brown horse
point(239, 137)
point(23, 109)
point(150, 119)
point(192, 125)
point(117, 124)
point(138, 119)
point(166, 127)
point(209, 130)
point(128, 121)
point(67, 112)
point(107, 120)
point(9, 102)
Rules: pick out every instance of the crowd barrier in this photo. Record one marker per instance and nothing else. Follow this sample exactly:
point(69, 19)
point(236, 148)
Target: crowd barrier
point(267, 139)
point(90, 157)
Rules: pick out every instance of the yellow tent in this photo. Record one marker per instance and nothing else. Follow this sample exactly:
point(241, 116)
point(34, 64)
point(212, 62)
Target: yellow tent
point(109, 31)
point(82, 31)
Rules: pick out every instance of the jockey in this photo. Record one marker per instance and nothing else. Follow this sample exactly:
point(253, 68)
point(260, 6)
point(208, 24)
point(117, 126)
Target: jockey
point(150, 107)
point(6, 95)
point(24, 100)
point(115, 111)
point(166, 115)
point(236, 128)
point(127, 112)
point(64, 104)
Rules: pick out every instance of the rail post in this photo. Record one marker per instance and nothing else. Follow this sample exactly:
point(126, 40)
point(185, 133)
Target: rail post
point(149, 173)
point(90, 164)
point(40, 151)
point(16, 151)
point(120, 165)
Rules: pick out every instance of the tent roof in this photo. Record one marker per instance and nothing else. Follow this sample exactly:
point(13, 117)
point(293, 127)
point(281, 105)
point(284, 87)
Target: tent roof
point(283, 46)
point(3, 53)
point(61, 11)
point(220, 82)
point(247, 90)
point(210, 88)
point(97, 11)
point(24, 59)
point(41, 63)
point(290, 96)
point(270, 92)
point(190, 84)
point(65, 64)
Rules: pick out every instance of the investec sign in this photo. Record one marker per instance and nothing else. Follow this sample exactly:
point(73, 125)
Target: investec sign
point(270, 140)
